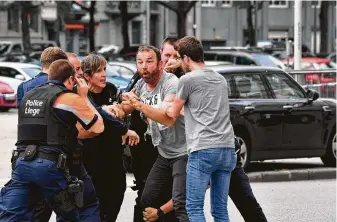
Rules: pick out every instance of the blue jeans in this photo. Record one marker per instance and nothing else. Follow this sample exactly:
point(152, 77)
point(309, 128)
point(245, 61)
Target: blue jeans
point(215, 165)
point(30, 179)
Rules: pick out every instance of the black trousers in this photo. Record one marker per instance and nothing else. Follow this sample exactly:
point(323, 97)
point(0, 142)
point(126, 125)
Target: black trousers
point(166, 171)
point(143, 157)
point(242, 196)
point(105, 166)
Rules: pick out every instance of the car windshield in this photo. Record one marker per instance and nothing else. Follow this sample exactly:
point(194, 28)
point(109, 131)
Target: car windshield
point(32, 71)
point(3, 48)
point(268, 60)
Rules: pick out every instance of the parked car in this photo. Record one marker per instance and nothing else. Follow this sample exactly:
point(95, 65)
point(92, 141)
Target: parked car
point(275, 118)
point(244, 58)
point(20, 71)
point(314, 63)
point(126, 69)
point(8, 91)
point(16, 47)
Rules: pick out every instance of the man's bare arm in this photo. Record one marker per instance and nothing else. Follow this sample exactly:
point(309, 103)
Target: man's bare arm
point(175, 109)
point(156, 114)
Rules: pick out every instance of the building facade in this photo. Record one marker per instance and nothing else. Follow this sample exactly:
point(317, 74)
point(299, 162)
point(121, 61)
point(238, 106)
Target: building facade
point(214, 22)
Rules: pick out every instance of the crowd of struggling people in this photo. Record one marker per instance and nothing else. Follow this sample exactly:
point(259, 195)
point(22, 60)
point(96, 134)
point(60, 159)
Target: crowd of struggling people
point(71, 132)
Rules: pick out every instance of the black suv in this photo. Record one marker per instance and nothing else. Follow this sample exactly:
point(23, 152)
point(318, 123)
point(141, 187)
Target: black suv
point(275, 118)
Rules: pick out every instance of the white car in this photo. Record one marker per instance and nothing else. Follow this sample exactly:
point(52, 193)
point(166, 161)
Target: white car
point(20, 71)
point(13, 74)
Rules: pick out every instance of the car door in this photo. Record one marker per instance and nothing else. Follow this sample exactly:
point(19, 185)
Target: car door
point(302, 121)
point(261, 116)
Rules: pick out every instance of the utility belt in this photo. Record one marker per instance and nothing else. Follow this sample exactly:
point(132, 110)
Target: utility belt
point(31, 152)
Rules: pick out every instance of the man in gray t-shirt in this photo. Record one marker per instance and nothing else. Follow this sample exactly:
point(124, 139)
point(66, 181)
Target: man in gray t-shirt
point(151, 95)
point(209, 133)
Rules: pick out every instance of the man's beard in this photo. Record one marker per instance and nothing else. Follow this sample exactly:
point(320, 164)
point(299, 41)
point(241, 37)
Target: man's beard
point(151, 76)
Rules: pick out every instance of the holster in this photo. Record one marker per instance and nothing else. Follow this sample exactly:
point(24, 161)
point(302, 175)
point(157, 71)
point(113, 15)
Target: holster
point(76, 187)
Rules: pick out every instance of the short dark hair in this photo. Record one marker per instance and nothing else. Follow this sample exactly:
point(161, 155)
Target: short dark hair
point(147, 48)
point(50, 55)
point(171, 40)
point(61, 70)
point(191, 47)
point(91, 63)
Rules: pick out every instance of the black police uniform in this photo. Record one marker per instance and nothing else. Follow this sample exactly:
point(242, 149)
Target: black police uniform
point(103, 159)
point(41, 166)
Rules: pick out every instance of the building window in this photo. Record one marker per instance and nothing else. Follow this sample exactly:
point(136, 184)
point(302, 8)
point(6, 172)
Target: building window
point(208, 3)
point(226, 3)
point(136, 32)
point(278, 4)
point(316, 4)
point(13, 16)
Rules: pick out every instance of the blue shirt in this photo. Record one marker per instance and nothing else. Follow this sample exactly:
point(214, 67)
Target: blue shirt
point(24, 87)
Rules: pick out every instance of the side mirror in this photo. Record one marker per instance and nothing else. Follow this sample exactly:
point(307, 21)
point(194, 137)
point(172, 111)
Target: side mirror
point(20, 77)
point(312, 95)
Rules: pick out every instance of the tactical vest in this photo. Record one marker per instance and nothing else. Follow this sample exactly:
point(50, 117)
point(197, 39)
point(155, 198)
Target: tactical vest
point(38, 124)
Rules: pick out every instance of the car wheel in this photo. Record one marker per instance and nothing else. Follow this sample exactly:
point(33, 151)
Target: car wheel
point(245, 149)
point(329, 159)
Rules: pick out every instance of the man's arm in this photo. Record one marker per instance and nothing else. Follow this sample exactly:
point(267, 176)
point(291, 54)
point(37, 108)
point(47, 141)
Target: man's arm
point(20, 94)
point(175, 109)
point(151, 214)
point(156, 114)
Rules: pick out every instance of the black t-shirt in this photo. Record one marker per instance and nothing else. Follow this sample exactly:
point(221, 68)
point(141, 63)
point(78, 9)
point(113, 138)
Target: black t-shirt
point(107, 97)
point(107, 145)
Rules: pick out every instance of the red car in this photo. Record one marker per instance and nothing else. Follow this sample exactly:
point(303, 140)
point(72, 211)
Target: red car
point(7, 97)
point(313, 63)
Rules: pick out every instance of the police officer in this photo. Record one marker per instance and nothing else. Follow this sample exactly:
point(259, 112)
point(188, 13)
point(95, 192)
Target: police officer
point(47, 133)
point(48, 56)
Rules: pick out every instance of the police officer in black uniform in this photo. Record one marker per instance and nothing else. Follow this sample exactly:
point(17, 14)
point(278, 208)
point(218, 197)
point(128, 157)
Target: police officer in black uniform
point(47, 135)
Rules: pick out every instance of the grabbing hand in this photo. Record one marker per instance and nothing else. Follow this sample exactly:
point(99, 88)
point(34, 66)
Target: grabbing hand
point(172, 65)
point(150, 214)
point(133, 138)
point(129, 95)
point(115, 110)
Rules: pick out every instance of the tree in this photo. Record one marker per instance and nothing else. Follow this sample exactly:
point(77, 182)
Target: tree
point(250, 28)
point(63, 10)
point(181, 8)
point(25, 10)
point(91, 10)
point(123, 7)
point(323, 22)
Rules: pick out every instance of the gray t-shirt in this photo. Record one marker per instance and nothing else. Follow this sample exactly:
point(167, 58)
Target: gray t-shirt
point(171, 141)
point(207, 117)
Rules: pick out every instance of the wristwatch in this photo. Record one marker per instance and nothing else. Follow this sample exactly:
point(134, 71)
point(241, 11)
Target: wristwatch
point(160, 213)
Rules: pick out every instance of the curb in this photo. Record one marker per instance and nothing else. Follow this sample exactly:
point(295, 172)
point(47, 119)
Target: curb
point(293, 175)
